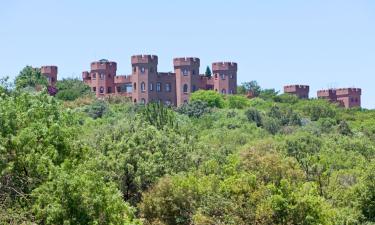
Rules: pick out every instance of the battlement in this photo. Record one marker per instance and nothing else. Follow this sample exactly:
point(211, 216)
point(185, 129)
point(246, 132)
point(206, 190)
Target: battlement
point(326, 93)
point(120, 79)
point(136, 59)
point(103, 64)
point(224, 66)
point(48, 69)
point(348, 91)
point(186, 61)
point(296, 87)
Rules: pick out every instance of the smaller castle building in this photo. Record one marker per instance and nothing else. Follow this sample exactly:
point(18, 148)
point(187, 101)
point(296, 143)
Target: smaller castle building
point(345, 97)
point(301, 91)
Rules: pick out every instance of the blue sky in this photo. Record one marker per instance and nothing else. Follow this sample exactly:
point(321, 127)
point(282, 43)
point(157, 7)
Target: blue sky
point(323, 43)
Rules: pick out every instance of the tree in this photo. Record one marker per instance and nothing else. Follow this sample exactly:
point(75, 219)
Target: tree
point(81, 196)
point(71, 89)
point(194, 109)
point(251, 86)
point(237, 101)
point(5, 86)
point(30, 77)
point(208, 72)
point(253, 115)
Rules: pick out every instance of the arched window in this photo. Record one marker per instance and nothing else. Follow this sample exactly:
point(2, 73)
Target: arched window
point(185, 88)
point(222, 76)
point(135, 86)
point(143, 101)
point(185, 72)
point(101, 90)
point(135, 100)
point(143, 70)
point(223, 91)
point(151, 88)
point(143, 87)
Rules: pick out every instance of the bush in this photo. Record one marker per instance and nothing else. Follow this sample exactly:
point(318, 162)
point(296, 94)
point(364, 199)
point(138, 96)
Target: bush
point(253, 115)
point(194, 109)
point(271, 125)
point(212, 98)
point(237, 102)
point(97, 109)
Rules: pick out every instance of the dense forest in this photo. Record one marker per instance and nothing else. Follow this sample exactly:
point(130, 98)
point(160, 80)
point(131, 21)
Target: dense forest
point(273, 159)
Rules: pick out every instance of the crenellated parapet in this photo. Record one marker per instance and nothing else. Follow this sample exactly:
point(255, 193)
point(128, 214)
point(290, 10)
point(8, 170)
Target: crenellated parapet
point(186, 61)
point(216, 66)
point(348, 91)
point(144, 59)
point(103, 64)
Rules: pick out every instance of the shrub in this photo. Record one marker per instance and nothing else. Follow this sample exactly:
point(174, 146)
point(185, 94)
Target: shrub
point(253, 115)
point(212, 98)
point(97, 109)
point(237, 102)
point(194, 109)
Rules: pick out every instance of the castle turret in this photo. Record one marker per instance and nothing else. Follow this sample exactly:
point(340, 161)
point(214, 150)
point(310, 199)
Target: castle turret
point(144, 78)
point(101, 77)
point(301, 91)
point(350, 97)
point(50, 72)
point(225, 77)
point(187, 76)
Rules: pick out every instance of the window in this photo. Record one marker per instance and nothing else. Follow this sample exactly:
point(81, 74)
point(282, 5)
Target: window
point(185, 72)
point(118, 88)
point(134, 69)
point(223, 91)
point(94, 89)
point(102, 76)
point(168, 102)
point(194, 88)
point(185, 88)
point(151, 88)
point(222, 76)
point(168, 87)
point(231, 91)
point(143, 87)
point(142, 70)
point(193, 72)
point(158, 87)
point(101, 90)
point(215, 75)
point(143, 101)
point(94, 76)
point(231, 76)
point(151, 69)
point(135, 86)
point(109, 90)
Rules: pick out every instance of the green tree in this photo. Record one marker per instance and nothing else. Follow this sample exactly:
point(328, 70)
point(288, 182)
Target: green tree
point(208, 72)
point(30, 77)
point(71, 89)
point(251, 86)
point(237, 102)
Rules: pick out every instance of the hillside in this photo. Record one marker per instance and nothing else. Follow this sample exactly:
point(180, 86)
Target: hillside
point(273, 159)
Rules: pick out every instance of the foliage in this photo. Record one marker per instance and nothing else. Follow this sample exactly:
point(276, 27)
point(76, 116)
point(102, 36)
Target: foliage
point(97, 109)
point(30, 77)
point(212, 98)
point(237, 101)
point(273, 159)
point(71, 89)
point(208, 72)
point(194, 109)
point(251, 86)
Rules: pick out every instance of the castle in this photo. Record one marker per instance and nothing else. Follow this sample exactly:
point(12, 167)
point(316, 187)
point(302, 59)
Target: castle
point(146, 84)
point(344, 97)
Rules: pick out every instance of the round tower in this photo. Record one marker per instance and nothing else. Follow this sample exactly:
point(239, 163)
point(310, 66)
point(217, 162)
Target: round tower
point(225, 77)
point(102, 77)
point(187, 77)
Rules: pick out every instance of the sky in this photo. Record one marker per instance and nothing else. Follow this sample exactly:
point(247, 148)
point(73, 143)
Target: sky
point(322, 43)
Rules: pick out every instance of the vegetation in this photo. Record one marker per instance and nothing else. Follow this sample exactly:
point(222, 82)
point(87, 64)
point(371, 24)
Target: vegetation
point(71, 89)
point(216, 160)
